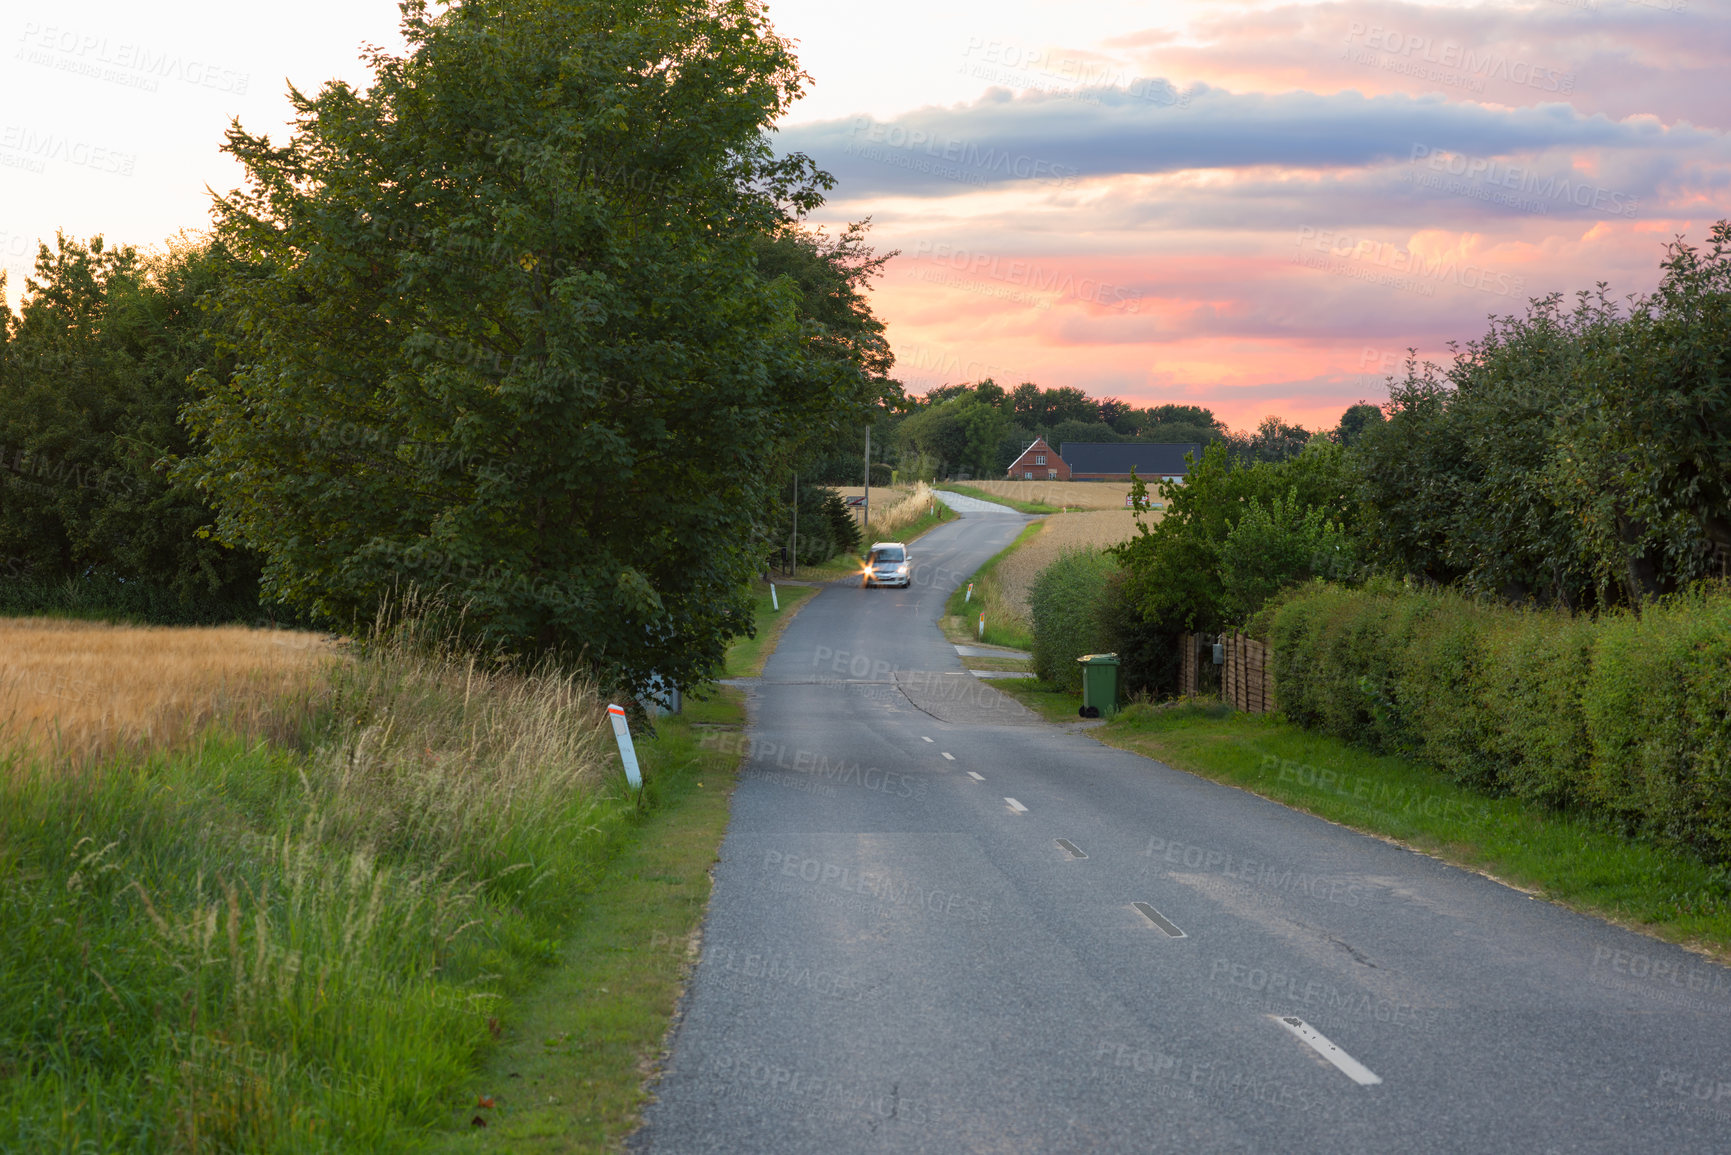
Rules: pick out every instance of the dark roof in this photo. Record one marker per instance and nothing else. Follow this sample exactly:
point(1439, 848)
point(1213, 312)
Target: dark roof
point(1149, 458)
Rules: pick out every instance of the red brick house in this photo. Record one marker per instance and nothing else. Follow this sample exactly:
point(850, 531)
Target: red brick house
point(1039, 462)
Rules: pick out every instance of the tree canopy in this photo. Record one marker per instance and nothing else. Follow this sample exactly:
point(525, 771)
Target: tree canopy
point(529, 321)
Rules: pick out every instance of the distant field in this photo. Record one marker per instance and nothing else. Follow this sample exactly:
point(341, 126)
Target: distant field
point(1015, 574)
point(1063, 494)
point(84, 688)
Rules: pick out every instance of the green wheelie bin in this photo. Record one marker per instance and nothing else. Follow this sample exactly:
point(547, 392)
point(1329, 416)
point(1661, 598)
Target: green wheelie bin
point(1099, 685)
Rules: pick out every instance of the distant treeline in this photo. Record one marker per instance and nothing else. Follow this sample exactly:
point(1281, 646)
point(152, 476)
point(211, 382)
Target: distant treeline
point(978, 429)
point(93, 374)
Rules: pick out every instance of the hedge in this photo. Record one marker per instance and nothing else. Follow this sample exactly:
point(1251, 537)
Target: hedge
point(1624, 715)
point(1068, 605)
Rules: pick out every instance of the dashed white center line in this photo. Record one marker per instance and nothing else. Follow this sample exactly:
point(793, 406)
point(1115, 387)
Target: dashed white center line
point(923, 738)
point(975, 777)
point(1318, 1042)
point(1159, 920)
point(949, 757)
point(1016, 806)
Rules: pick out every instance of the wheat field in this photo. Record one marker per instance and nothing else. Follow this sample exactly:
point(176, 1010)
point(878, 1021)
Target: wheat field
point(1063, 494)
point(1015, 575)
point(78, 689)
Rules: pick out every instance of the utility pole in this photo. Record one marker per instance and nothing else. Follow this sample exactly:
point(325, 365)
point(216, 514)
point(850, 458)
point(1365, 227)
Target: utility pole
point(868, 485)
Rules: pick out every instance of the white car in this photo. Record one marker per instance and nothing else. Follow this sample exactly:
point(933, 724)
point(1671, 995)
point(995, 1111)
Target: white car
point(888, 564)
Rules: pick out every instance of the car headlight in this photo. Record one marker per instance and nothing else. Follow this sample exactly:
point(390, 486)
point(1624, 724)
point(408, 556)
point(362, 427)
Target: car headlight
point(901, 569)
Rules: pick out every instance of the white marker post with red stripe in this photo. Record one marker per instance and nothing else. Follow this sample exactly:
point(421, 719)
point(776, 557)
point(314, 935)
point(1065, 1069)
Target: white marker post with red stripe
point(627, 752)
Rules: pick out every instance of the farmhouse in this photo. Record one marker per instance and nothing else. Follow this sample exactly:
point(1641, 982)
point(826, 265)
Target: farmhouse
point(1039, 462)
point(1101, 461)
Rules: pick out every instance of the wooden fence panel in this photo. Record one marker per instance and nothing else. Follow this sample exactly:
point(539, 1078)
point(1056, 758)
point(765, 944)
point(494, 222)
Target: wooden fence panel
point(1247, 682)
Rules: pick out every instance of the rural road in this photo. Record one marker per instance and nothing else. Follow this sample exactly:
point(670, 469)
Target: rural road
point(925, 936)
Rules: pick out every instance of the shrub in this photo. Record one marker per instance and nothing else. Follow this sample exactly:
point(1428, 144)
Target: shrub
point(1148, 657)
point(1274, 545)
point(844, 530)
point(1627, 716)
point(1068, 602)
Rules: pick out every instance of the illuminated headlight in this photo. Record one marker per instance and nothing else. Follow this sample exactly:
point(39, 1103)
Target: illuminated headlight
point(902, 569)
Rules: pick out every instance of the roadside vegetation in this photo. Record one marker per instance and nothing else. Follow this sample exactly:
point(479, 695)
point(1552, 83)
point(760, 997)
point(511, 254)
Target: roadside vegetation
point(1005, 589)
point(1570, 857)
point(1503, 599)
point(298, 917)
point(770, 616)
point(1006, 621)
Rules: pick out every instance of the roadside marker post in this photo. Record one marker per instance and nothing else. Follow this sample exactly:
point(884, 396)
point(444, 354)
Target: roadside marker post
point(627, 752)
point(982, 625)
point(970, 596)
point(774, 602)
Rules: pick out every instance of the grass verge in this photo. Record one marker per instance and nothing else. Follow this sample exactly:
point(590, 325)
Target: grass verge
point(1571, 859)
point(746, 656)
point(568, 1074)
point(1004, 626)
point(1051, 704)
point(235, 945)
point(1013, 503)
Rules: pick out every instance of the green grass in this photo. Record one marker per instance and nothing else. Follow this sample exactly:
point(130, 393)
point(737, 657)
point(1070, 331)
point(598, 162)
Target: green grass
point(983, 495)
point(1052, 704)
point(243, 947)
point(961, 616)
point(1567, 858)
point(568, 1074)
point(746, 656)
point(845, 564)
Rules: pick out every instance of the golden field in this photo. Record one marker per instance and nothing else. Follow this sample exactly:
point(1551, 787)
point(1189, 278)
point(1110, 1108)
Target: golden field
point(1063, 494)
point(85, 689)
point(1014, 576)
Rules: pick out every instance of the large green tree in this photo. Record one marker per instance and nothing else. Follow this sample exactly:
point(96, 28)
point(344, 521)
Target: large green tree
point(92, 378)
point(504, 327)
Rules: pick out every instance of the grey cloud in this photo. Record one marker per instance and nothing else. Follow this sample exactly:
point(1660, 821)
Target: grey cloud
point(1000, 140)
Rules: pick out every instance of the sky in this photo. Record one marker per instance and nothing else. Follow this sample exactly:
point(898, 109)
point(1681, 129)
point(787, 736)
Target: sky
point(1257, 207)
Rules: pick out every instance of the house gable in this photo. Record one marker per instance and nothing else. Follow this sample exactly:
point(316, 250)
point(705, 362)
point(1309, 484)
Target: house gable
point(1039, 462)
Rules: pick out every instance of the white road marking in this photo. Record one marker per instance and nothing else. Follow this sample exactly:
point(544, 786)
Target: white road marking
point(949, 757)
point(975, 777)
point(1318, 1042)
point(923, 738)
point(1016, 806)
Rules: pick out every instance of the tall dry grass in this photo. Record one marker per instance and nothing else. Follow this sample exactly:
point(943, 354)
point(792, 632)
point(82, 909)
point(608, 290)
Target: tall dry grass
point(910, 509)
point(80, 690)
point(225, 945)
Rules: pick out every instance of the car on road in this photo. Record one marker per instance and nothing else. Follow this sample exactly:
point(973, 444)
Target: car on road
point(887, 564)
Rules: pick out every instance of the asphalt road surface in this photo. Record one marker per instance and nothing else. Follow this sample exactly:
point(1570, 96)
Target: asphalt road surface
point(942, 925)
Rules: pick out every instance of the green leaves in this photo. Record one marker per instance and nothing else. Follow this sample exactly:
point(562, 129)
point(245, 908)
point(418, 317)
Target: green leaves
point(1187, 571)
point(1574, 457)
point(1275, 545)
point(508, 331)
point(93, 374)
